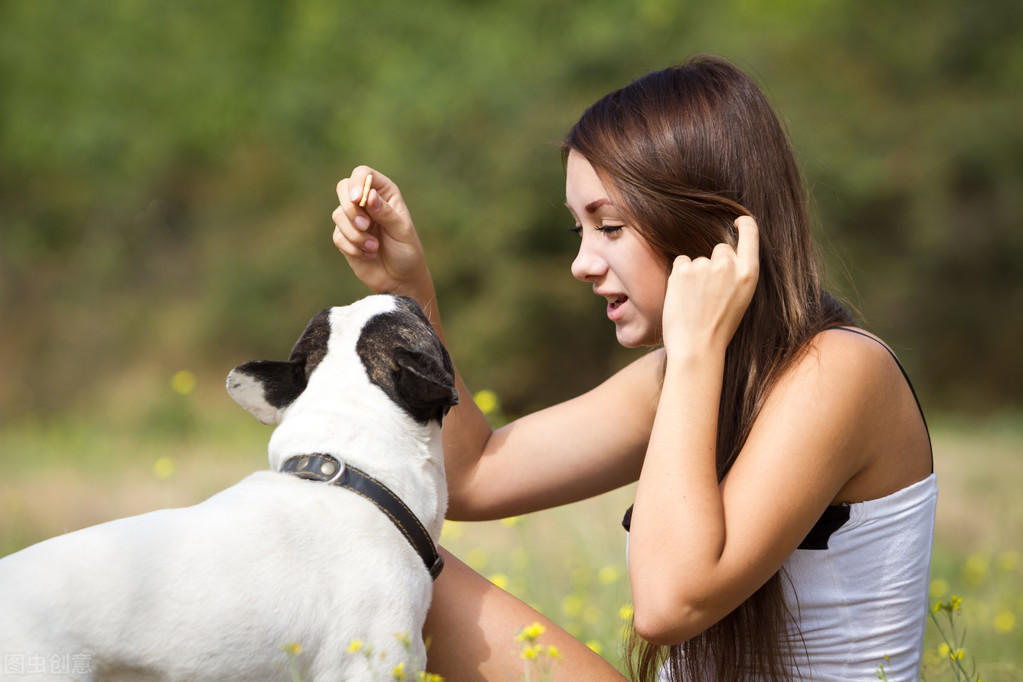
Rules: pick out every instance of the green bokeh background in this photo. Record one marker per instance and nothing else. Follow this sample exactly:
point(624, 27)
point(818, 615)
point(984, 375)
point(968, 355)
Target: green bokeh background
point(167, 174)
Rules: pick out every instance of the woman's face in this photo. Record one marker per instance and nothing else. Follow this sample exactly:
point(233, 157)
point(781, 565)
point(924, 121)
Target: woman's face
point(615, 258)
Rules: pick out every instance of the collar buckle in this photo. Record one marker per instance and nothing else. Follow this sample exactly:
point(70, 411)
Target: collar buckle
point(332, 471)
point(318, 467)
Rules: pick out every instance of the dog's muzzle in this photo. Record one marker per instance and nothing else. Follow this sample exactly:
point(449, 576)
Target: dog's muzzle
point(328, 469)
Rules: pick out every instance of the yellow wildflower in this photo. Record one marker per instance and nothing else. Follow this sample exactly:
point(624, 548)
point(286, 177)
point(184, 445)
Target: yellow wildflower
point(183, 382)
point(1008, 561)
point(939, 587)
point(572, 605)
point(975, 569)
point(1005, 622)
point(530, 633)
point(486, 400)
point(608, 574)
point(163, 468)
point(951, 605)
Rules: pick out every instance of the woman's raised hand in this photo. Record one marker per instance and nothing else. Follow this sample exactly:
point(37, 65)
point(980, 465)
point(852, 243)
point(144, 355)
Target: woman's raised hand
point(707, 297)
point(379, 240)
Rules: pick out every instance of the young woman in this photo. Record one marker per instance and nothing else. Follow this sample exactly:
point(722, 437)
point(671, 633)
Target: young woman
point(784, 514)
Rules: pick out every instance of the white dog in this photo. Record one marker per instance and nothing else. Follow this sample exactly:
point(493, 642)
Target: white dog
point(218, 590)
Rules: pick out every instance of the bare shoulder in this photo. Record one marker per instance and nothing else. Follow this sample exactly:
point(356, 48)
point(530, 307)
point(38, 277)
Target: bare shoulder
point(839, 426)
point(861, 397)
point(840, 373)
point(848, 356)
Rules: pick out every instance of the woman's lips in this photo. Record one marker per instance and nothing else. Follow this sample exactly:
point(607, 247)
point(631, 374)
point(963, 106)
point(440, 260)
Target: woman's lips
point(615, 307)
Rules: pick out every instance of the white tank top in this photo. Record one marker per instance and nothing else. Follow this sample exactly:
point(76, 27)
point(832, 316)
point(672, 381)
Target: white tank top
point(864, 596)
point(862, 593)
point(857, 587)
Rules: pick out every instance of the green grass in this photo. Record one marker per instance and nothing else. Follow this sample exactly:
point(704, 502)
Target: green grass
point(568, 562)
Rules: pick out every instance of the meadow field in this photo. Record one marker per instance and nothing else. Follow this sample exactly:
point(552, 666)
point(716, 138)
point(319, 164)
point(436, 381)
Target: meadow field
point(568, 562)
point(168, 173)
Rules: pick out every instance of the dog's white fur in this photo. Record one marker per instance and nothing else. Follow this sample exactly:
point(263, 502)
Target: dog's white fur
point(213, 591)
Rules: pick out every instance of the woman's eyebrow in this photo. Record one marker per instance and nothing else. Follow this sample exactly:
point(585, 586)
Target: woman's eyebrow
point(594, 205)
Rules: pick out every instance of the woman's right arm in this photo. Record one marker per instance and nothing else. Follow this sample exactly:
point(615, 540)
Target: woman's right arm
point(567, 452)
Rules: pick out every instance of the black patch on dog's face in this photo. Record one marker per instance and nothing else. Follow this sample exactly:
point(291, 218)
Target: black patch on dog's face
point(311, 347)
point(283, 382)
point(405, 358)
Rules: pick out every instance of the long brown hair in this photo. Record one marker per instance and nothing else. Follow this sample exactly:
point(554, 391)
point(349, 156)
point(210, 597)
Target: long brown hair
point(683, 152)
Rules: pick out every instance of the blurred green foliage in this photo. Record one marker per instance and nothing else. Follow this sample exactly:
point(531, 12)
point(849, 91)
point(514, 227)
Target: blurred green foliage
point(167, 174)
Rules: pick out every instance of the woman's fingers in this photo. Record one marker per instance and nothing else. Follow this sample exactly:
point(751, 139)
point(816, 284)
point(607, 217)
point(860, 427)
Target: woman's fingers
point(707, 296)
point(361, 207)
point(375, 233)
point(349, 238)
point(383, 205)
point(358, 245)
point(747, 249)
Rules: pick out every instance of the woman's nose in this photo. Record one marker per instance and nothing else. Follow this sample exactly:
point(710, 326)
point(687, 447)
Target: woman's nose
point(588, 265)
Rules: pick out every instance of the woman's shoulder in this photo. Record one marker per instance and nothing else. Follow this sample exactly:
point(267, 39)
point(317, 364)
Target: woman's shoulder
point(855, 377)
point(845, 383)
point(850, 336)
point(850, 356)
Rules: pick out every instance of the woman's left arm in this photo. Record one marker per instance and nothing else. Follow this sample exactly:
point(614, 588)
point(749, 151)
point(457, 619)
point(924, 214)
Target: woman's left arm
point(698, 548)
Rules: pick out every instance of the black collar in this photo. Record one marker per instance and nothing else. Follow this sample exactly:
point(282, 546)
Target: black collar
point(330, 470)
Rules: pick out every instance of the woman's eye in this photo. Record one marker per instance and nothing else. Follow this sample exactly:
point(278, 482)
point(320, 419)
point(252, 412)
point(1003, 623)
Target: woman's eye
point(608, 230)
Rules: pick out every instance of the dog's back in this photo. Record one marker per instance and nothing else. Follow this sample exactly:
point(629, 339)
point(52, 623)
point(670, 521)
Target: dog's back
point(215, 591)
point(270, 561)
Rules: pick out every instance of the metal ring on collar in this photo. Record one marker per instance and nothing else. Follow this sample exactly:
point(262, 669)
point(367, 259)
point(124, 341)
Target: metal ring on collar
point(317, 467)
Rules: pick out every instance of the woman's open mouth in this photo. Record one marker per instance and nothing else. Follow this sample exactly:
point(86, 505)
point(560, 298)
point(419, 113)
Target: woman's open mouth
point(614, 307)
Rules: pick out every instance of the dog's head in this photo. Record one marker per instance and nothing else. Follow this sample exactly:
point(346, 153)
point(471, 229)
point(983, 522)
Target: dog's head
point(395, 345)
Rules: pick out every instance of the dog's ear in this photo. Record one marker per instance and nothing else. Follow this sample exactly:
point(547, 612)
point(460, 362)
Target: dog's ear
point(426, 386)
point(265, 387)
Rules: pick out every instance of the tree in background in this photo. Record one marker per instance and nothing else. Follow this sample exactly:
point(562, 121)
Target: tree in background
point(167, 174)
